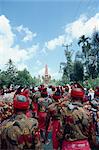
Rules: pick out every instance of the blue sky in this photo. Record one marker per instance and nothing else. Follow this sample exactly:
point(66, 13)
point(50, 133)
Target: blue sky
point(32, 31)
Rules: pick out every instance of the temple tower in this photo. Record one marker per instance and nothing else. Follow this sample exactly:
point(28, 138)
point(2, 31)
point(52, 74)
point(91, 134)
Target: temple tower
point(46, 78)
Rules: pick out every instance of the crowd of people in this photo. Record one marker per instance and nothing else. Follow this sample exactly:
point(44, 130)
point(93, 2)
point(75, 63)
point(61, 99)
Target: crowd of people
point(69, 113)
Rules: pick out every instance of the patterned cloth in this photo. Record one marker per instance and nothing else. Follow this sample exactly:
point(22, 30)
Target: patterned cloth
point(20, 133)
point(6, 110)
point(76, 123)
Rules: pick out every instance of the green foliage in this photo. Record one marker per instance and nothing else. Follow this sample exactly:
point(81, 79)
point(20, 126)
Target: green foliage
point(90, 50)
point(3, 79)
point(92, 83)
point(11, 76)
point(23, 78)
point(78, 71)
point(86, 64)
point(86, 46)
point(36, 81)
point(11, 72)
point(8, 76)
point(95, 45)
point(69, 64)
point(67, 67)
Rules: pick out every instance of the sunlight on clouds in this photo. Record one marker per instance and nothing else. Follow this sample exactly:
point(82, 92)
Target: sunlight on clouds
point(55, 42)
point(28, 34)
point(6, 35)
point(82, 26)
point(75, 29)
point(17, 54)
point(8, 49)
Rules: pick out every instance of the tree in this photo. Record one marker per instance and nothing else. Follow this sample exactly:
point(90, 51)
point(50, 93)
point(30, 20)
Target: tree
point(90, 53)
point(78, 56)
point(95, 46)
point(8, 76)
point(78, 71)
point(24, 78)
point(36, 81)
point(65, 78)
point(3, 79)
point(67, 67)
point(86, 45)
point(93, 62)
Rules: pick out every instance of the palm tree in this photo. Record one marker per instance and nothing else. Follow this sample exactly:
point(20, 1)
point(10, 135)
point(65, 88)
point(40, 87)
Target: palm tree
point(86, 46)
point(95, 43)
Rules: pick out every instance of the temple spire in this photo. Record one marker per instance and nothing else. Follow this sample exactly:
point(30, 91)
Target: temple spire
point(46, 70)
point(46, 78)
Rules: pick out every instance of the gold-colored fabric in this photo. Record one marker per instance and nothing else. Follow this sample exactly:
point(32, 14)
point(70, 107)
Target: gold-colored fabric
point(75, 122)
point(19, 134)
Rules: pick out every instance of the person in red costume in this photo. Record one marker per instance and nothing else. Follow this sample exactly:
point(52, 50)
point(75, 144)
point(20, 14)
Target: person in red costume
point(55, 115)
point(55, 127)
point(42, 115)
point(57, 95)
point(76, 123)
point(20, 132)
point(34, 103)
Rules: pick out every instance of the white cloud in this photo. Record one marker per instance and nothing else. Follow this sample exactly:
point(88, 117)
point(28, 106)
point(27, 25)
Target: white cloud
point(44, 49)
point(55, 42)
point(8, 49)
point(82, 26)
point(28, 34)
point(74, 30)
point(6, 34)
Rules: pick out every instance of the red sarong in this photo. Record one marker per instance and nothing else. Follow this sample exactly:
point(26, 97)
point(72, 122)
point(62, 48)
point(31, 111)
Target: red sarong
point(35, 107)
point(76, 145)
point(42, 120)
point(56, 127)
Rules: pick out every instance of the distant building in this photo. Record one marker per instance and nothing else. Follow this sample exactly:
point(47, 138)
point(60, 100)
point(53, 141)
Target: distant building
point(46, 78)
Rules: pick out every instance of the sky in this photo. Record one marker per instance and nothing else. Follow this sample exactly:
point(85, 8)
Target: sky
point(33, 32)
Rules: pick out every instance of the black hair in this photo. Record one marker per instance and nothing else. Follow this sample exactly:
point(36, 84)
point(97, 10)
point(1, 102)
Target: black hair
point(20, 110)
point(77, 99)
point(43, 95)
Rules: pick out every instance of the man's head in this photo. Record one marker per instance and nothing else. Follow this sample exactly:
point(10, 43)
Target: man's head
point(77, 94)
point(97, 92)
point(20, 103)
point(44, 93)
